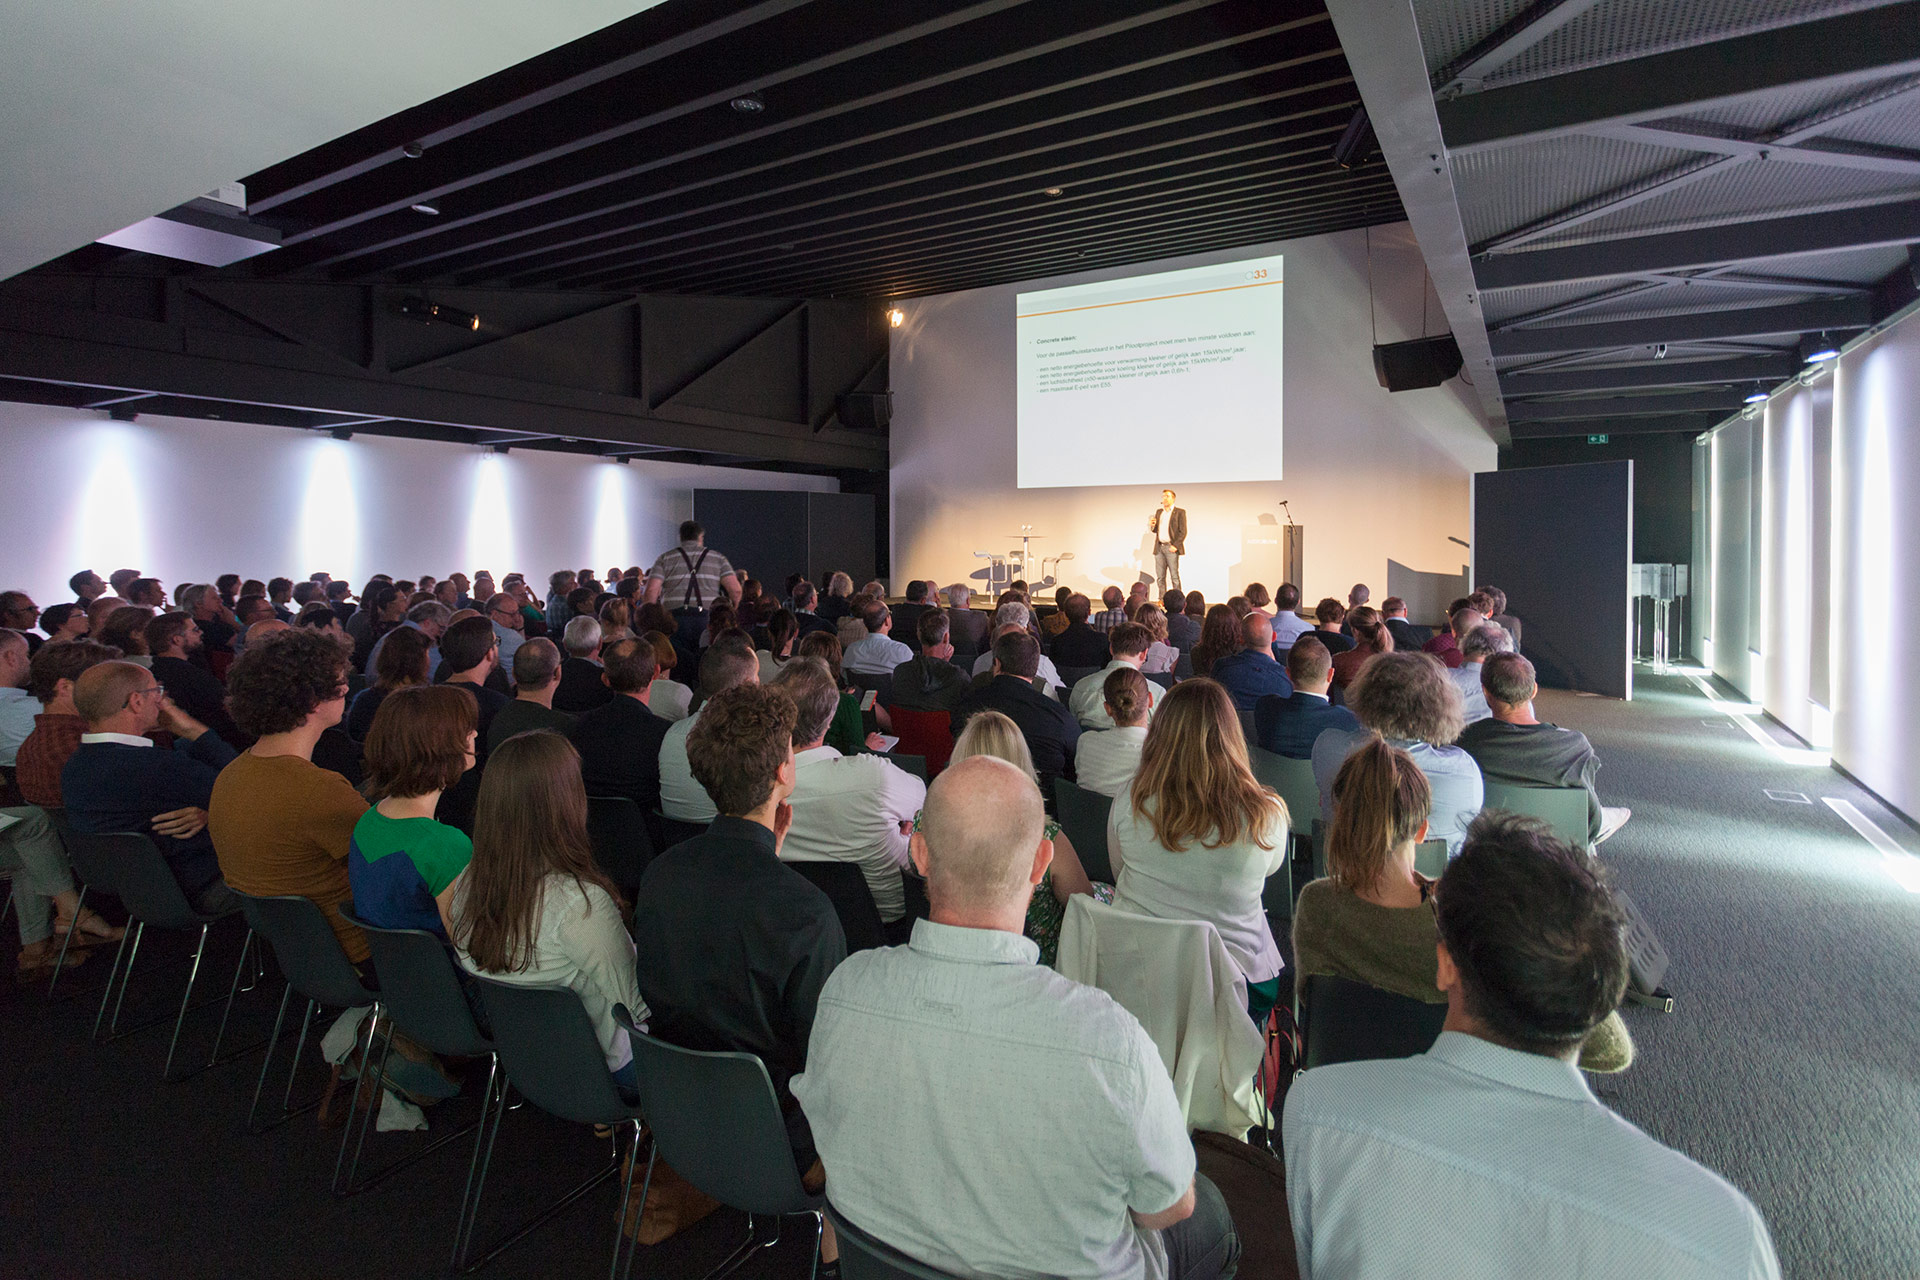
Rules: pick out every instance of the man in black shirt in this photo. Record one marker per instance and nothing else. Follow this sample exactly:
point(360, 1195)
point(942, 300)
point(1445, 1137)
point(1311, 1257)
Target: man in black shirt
point(216, 622)
point(536, 673)
point(733, 945)
point(172, 639)
point(929, 681)
point(1079, 645)
point(470, 650)
point(1515, 746)
point(906, 617)
point(581, 688)
point(1050, 729)
point(619, 743)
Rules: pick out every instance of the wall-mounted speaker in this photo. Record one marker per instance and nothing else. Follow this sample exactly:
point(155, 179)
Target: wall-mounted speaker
point(1423, 362)
point(866, 410)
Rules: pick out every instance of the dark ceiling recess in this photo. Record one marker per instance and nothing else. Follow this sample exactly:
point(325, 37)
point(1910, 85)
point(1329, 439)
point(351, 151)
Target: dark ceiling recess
point(1664, 200)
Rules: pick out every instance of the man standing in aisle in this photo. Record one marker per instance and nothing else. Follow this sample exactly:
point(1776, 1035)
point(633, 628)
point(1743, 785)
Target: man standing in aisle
point(689, 579)
point(1169, 526)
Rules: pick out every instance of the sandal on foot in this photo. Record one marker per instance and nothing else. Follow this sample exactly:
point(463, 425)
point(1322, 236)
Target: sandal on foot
point(91, 930)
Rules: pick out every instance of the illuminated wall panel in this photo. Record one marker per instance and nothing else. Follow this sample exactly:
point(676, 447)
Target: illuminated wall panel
point(1735, 508)
point(1786, 550)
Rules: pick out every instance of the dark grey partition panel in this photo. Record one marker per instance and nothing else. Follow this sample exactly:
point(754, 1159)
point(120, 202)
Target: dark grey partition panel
point(771, 534)
point(1559, 542)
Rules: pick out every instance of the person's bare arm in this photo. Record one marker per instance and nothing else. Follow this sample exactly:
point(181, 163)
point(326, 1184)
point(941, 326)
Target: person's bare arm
point(731, 585)
point(1181, 1210)
point(651, 593)
point(444, 901)
point(181, 824)
point(1069, 877)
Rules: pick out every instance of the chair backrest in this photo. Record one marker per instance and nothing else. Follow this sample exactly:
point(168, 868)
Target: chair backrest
point(862, 1257)
point(622, 844)
point(717, 1121)
point(927, 734)
point(1165, 679)
point(1346, 1021)
point(1083, 816)
point(550, 1050)
point(915, 765)
point(141, 877)
point(1430, 858)
point(881, 683)
point(1565, 809)
point(309, 953)
point(1291, 780)
point(1071, 676)
point(846, 887)
point(420, 987)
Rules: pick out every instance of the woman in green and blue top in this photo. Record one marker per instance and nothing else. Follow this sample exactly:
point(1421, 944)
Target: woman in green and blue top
point(401, 863)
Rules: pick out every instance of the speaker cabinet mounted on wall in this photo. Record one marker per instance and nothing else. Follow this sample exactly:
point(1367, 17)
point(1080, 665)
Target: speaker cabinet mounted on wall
point(1423, 362)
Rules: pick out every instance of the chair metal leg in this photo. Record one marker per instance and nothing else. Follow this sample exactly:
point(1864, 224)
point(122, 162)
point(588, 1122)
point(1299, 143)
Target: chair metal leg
point(66, 942)
point(293, 1073)
point(132, 936)
point(246, 945)
point(745, 1252)
point(819, 1234)
point(126, 976)
point(186, 998)
point(8, 905)
point(470, 1196)
point(623, 1241)
point(266, 1060)
point(546, 1215)
point(369, 1074)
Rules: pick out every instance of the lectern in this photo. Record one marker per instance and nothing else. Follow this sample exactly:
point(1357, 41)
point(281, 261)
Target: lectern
point(1273, 553)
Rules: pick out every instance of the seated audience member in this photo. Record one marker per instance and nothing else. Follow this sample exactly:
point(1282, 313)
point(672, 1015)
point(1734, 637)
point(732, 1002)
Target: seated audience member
point(148, 593)
point(735, 945)
point(1051, 730)
point(172, 643)
point(846, 808)
point(1016, 617)
point(1288, 625)
point(561, 583)
point(87, 586)
point(472, 651)
point(852, 628)
point(316, 616)
point(57, 727)
point(1359, 595)
point(120, 581)
point(509, 625)
point(1406, 636)
point(1056, 622)
point(213, 616)
point(1488, 1155)
point(1480, 644)
point(723, 617)
point(1241, 607)
point(1114, 611)
point(536, 674)
point(890, 1073)
point(1462, 619)
point(1128, 645)
point(98, 612)
point(119, 780)
point(783, 632)
point(1288, 726)
point(1371, 918)
point(1196, 609)
point(1137, 595)
point(849, 731)
point(1078, 644)
point(19, 613)
point(1405, 698)
point(1161, 656)
point(1252, 673)
point(805, 597)
point(402, 664)
point(402, 862)
point(906, 617)
point(666, 697)
point(682, 797)
point(1329, 625)
point(280, 823)
point(877, 653)
point(64, 622)
point(250, 610)
point(17, 707)
point(970, 628)
point(126, 630)
point(1506, 621)
point(581, 689)
point(1196, 835)
point(930, 681)
point(1107, 758)
point(1514, 745)
point(431, 619)
point(619, 744)
point(837, 603)
point(1257, 598)
point(1183, 632)
point(1220, 636)
point(1370, 638)
point(532, 906)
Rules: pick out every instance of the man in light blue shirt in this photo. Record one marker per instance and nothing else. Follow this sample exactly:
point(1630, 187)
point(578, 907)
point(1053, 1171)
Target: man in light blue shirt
point(877, 653)
point(1288, 625)
point(1487, 1156)
point(430, 619)
point(17, 706)
point(503, 611)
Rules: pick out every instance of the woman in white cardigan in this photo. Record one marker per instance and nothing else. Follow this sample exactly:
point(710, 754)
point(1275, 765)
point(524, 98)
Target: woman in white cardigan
point(1196, 836)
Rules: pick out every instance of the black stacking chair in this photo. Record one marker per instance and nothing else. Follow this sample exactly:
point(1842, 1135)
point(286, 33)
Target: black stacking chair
point(550, 1051)
point(915, 765)
point(862, 1257)
point(420, 989)
point(716, 1120)
point(846, 887)
point(1166, 680)
point(673, 831)
point(882, 686)
point(1346, 1021)
point(93, 877)
point(1071, 676)
point(622, 840)
point(1083, 816)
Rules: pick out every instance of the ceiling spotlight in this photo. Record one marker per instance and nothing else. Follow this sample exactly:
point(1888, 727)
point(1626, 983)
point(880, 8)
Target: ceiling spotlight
point(1660, 351)
point(123, 413)
point(500, 448)
point(748, 103)
point(1055, 191)
point(412, 150)
point(341, 433)
point(1816, 348)
point(422, 310)
point(1756, 396)
point(896, 317)
point(430, 210)
point(1357, 143)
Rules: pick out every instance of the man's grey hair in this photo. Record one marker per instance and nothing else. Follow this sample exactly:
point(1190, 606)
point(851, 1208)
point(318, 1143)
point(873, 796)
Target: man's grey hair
point(535, 663)
point(582, 636)
point(1486, 640)
point(1012, 614)
point(559, 578)
point(958, 594)
point(430, 611)
point(190, 598)
point(1508, 678)
point(982, 822)
point(815, 696)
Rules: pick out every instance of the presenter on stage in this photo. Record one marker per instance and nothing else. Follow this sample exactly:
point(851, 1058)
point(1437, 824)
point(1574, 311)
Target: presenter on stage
point(1169, 526)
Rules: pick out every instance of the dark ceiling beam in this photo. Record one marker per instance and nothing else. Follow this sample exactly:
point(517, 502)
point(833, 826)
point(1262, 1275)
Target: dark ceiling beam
point(1687, 423)
point(1868, 227)
point(1832, 154)
point(1505, 43)
point(117, 397)
point(1651, 375)
point(1716, 402)
point(1850, 48)
point(1794, 318)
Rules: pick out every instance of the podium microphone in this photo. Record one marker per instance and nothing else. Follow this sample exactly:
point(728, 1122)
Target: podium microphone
point(1284, 507)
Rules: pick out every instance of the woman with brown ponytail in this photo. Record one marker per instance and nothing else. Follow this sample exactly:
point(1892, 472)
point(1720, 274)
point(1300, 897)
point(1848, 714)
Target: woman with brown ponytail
point(1371, 918)
point(1370, 637)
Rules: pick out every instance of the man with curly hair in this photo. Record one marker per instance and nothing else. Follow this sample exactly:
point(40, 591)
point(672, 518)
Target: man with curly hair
point(282, 824)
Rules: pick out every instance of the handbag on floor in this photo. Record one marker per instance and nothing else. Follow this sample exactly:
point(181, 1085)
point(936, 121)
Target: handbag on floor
point(672, 1204)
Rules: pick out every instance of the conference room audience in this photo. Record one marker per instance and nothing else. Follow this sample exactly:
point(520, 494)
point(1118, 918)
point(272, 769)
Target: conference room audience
point(906, 617)
point(1506, 621)
point(970, 628)
point(1077, 1160)
point(849, 731)
point(1407, 636)
point(1406, 699)
point(532, 907)
point(1329, 626)
point(1289, 726)
point(856, 809)
point(682, 797)
point(1480, 644)
point(875, 653)
point(1196, 835)
point(1488, 1155)
point(782, 633)
point(1161, 656)
point(581, 689)
point(620, 743)
point(1513, 745)
point(1370, 637)
point(1050, 728)
point(1370, 918)
point(1220, 637)
point(126, 630)
point(402, 862)
point(1078, 644)
point(734, 945)
point(929, 681)
point(536, 675)
point(1251, 673)
point(1462, 618)
point(173, 644)
point(431, 619)
point(1128, 644)
point(404, 662)
point(64, 622)
point(1183, 631)
point(1288, 625)
point(1114, 611)
point(1015, 618)
point(118, 779)
point(51, 676)
point(281, 824)
point(1107, 759)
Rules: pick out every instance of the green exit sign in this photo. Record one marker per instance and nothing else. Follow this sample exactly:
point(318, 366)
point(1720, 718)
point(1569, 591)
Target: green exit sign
point(1597, 439)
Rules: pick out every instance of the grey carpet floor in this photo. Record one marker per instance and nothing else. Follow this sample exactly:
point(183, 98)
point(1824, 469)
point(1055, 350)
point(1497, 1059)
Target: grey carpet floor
point(1791, 1062)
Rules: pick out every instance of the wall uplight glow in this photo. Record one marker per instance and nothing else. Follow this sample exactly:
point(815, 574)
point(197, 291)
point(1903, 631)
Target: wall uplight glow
point(490, 520)
point(111, 530)
point(329, 527)
point(612, 538)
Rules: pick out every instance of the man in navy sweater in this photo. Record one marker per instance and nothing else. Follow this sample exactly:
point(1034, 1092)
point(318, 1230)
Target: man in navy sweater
point(1252, 673)
point(1287, 726)
point(120, 780)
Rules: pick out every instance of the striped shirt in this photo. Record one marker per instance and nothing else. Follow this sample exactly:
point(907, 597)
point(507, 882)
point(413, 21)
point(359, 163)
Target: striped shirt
point(690, 576)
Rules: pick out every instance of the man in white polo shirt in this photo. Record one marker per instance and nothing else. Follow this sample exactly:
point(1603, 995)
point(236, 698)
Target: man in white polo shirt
point(857, 808)
point(725, 664)
point(983, 1114)
point(1128, 644)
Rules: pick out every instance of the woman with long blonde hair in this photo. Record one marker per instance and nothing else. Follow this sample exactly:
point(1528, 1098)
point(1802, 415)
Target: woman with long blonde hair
point(1196, 836)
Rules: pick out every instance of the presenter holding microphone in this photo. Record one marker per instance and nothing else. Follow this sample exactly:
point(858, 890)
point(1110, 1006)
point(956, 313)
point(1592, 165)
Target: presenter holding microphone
point(1169, 526)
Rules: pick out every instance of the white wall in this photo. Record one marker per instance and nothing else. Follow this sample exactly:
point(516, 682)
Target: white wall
point(185, 499)
point(1373, 476)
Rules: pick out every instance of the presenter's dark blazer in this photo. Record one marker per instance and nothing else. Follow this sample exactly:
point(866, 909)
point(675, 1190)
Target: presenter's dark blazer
point(1407, 636)
point(1176, 527)
point(1288, 726)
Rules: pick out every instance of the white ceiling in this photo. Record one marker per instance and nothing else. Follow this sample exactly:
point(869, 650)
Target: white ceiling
point(113, 110)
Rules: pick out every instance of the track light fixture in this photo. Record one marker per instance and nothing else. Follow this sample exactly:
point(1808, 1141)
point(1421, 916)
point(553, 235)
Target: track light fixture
point(501, 448)
point(1357, 144)
point(1756, 396)
point(427, 312)
point(1817, 347)
point(341, 433)
point(749, 104)
point(896, 317)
